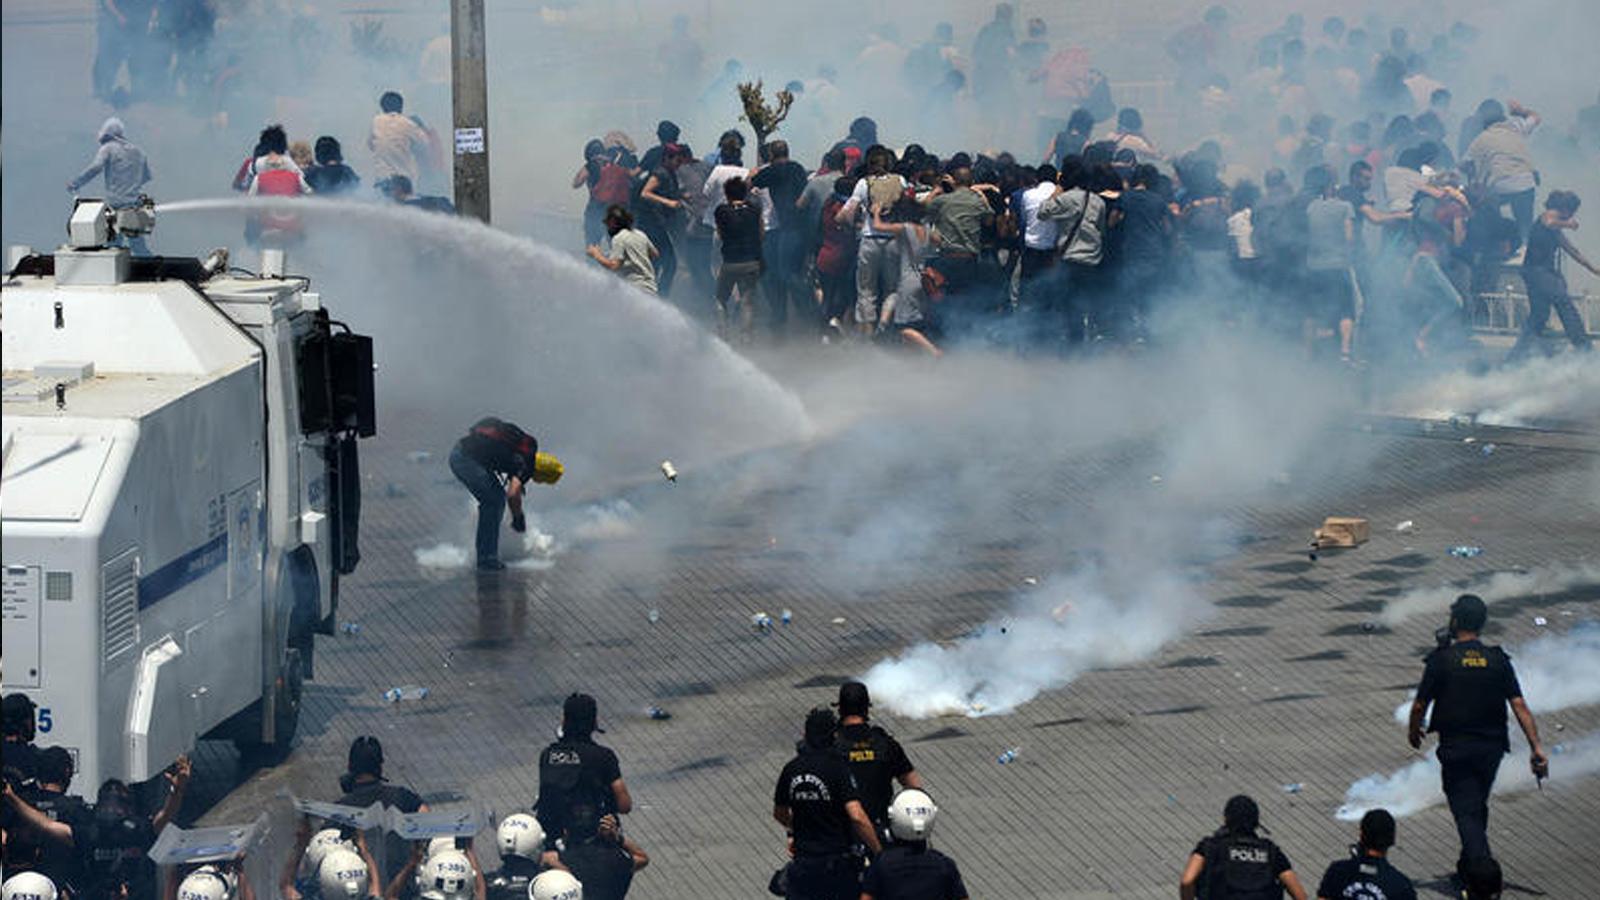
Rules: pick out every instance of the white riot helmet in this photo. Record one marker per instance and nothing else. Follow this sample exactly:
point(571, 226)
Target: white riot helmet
point(28, 886)
point(911, 816)
point(324, 841)
point(555, 885)
point(204, 884)
point(447, 875)
point(439, 845)
point(343, 875)
point(520, 835)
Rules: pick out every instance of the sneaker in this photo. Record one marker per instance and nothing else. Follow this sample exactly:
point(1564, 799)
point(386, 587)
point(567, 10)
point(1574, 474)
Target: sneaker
point(491, 565)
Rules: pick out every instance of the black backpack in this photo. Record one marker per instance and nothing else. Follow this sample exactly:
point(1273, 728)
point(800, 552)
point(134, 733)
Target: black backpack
point(1239, 867)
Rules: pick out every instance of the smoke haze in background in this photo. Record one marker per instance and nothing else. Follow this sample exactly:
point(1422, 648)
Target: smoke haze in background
point(1495, 587)
point(1565, 388)
point(1415, 786)
point(1556, 671)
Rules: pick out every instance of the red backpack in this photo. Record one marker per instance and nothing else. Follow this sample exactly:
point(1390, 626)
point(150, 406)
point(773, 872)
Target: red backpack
point(614, 187)
point(278, 183)
point(503, 432)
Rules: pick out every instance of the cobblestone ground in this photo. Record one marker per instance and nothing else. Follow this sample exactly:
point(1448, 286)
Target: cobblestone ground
point(1121, 771)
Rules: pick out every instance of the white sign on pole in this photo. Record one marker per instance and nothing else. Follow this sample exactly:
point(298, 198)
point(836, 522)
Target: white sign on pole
point(469, 140)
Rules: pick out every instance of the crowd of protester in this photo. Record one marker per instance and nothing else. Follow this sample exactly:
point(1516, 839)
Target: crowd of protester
point(1367, 235)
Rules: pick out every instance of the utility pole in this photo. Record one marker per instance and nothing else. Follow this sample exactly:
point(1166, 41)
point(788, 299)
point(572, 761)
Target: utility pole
point(469, 97)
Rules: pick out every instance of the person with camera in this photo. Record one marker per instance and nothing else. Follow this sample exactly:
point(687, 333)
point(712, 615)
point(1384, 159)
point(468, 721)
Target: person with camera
point(1469, 684)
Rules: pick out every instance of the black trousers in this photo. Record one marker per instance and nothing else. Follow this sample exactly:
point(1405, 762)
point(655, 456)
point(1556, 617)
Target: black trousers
point(825, 878)
point(1468, 769)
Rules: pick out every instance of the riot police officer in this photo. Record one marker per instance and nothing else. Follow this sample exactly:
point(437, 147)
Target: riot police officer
point(1238, 863)
point(1469, 683)
point(521, 843)
point(909, 869)
point(816, 799)
point(876, 759)
point(576, 771)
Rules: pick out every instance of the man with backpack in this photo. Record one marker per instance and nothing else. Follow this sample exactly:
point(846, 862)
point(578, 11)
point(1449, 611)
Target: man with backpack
point(1236, 863)
point(495, 461)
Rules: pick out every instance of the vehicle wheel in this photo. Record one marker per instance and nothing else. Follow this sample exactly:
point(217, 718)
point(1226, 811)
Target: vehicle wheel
point(288, 694)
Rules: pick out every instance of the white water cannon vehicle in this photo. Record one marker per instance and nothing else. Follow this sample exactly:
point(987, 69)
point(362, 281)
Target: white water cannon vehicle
point(181, 493)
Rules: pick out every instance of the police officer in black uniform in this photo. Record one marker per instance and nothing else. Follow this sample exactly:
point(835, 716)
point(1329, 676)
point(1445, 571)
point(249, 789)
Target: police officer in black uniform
point(19, 754)
point(1237, 863)
point(1469, 684)
point(574, 771)
point(495, 461)
point(1367, 874)
point(52, 852)
point(597, 854)
point(876, 759)
point(817, 801)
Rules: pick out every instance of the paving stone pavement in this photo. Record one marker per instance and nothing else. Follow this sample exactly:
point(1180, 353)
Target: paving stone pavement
point(1121, 771)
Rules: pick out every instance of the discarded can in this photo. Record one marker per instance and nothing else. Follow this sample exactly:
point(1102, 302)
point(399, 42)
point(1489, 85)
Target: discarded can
point(654, 615)
point(1540, 621)
point(405, 692)
point(761, 622)
point(1009, 756)
point(786, 617)
point(351, 628)
point(1406, 527)
point(658, 714)
point(1486, 449)
point(419, 456)
point(1295, 788)
point(669, 470)
point(1466, 551)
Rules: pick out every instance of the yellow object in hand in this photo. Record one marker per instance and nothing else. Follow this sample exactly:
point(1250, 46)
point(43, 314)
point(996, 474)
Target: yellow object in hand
point(547, 469)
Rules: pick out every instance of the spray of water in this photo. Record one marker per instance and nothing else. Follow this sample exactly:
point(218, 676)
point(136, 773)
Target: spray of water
point(1557, 671)
point(1499, 586)
point(1415, 786)
point(471, 321)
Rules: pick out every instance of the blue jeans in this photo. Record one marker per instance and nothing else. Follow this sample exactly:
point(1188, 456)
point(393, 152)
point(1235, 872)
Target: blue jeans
point(491, 497)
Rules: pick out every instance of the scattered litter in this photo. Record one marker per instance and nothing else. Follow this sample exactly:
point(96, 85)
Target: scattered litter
point(394, 489)
point(418, 456)
point(1171, 800)
point(669, 470)
point(1295, 788)
point(1486, 449)
point(1009, 756)
point(786, 616)
point(1561, 726)
point(1466, 551)
point(654, 615)
point(838, 620)
point(658, 714)
point(761, 622)
point(1469, 440)
point(449, 658)
point(351, 628)
point(1558, 749)
point(1342, 531)
point(1030, 581)
point(405, 692)
point(1406, 527)
point(1369, 626)
point(1540, 621)
point(1155, 479)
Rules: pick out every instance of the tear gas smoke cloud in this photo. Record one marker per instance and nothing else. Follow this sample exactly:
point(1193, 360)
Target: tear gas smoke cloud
point(1556, 671)
point(550, 533)
point(1562, 388)
point(1497, 587)
point(1415, 786)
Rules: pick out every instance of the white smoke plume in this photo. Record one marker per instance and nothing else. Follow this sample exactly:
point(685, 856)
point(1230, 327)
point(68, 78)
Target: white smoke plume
point(1563, 387)
point(1499, 586)
point(1415, 786)
point(1056, 635)
point(1556, 671)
